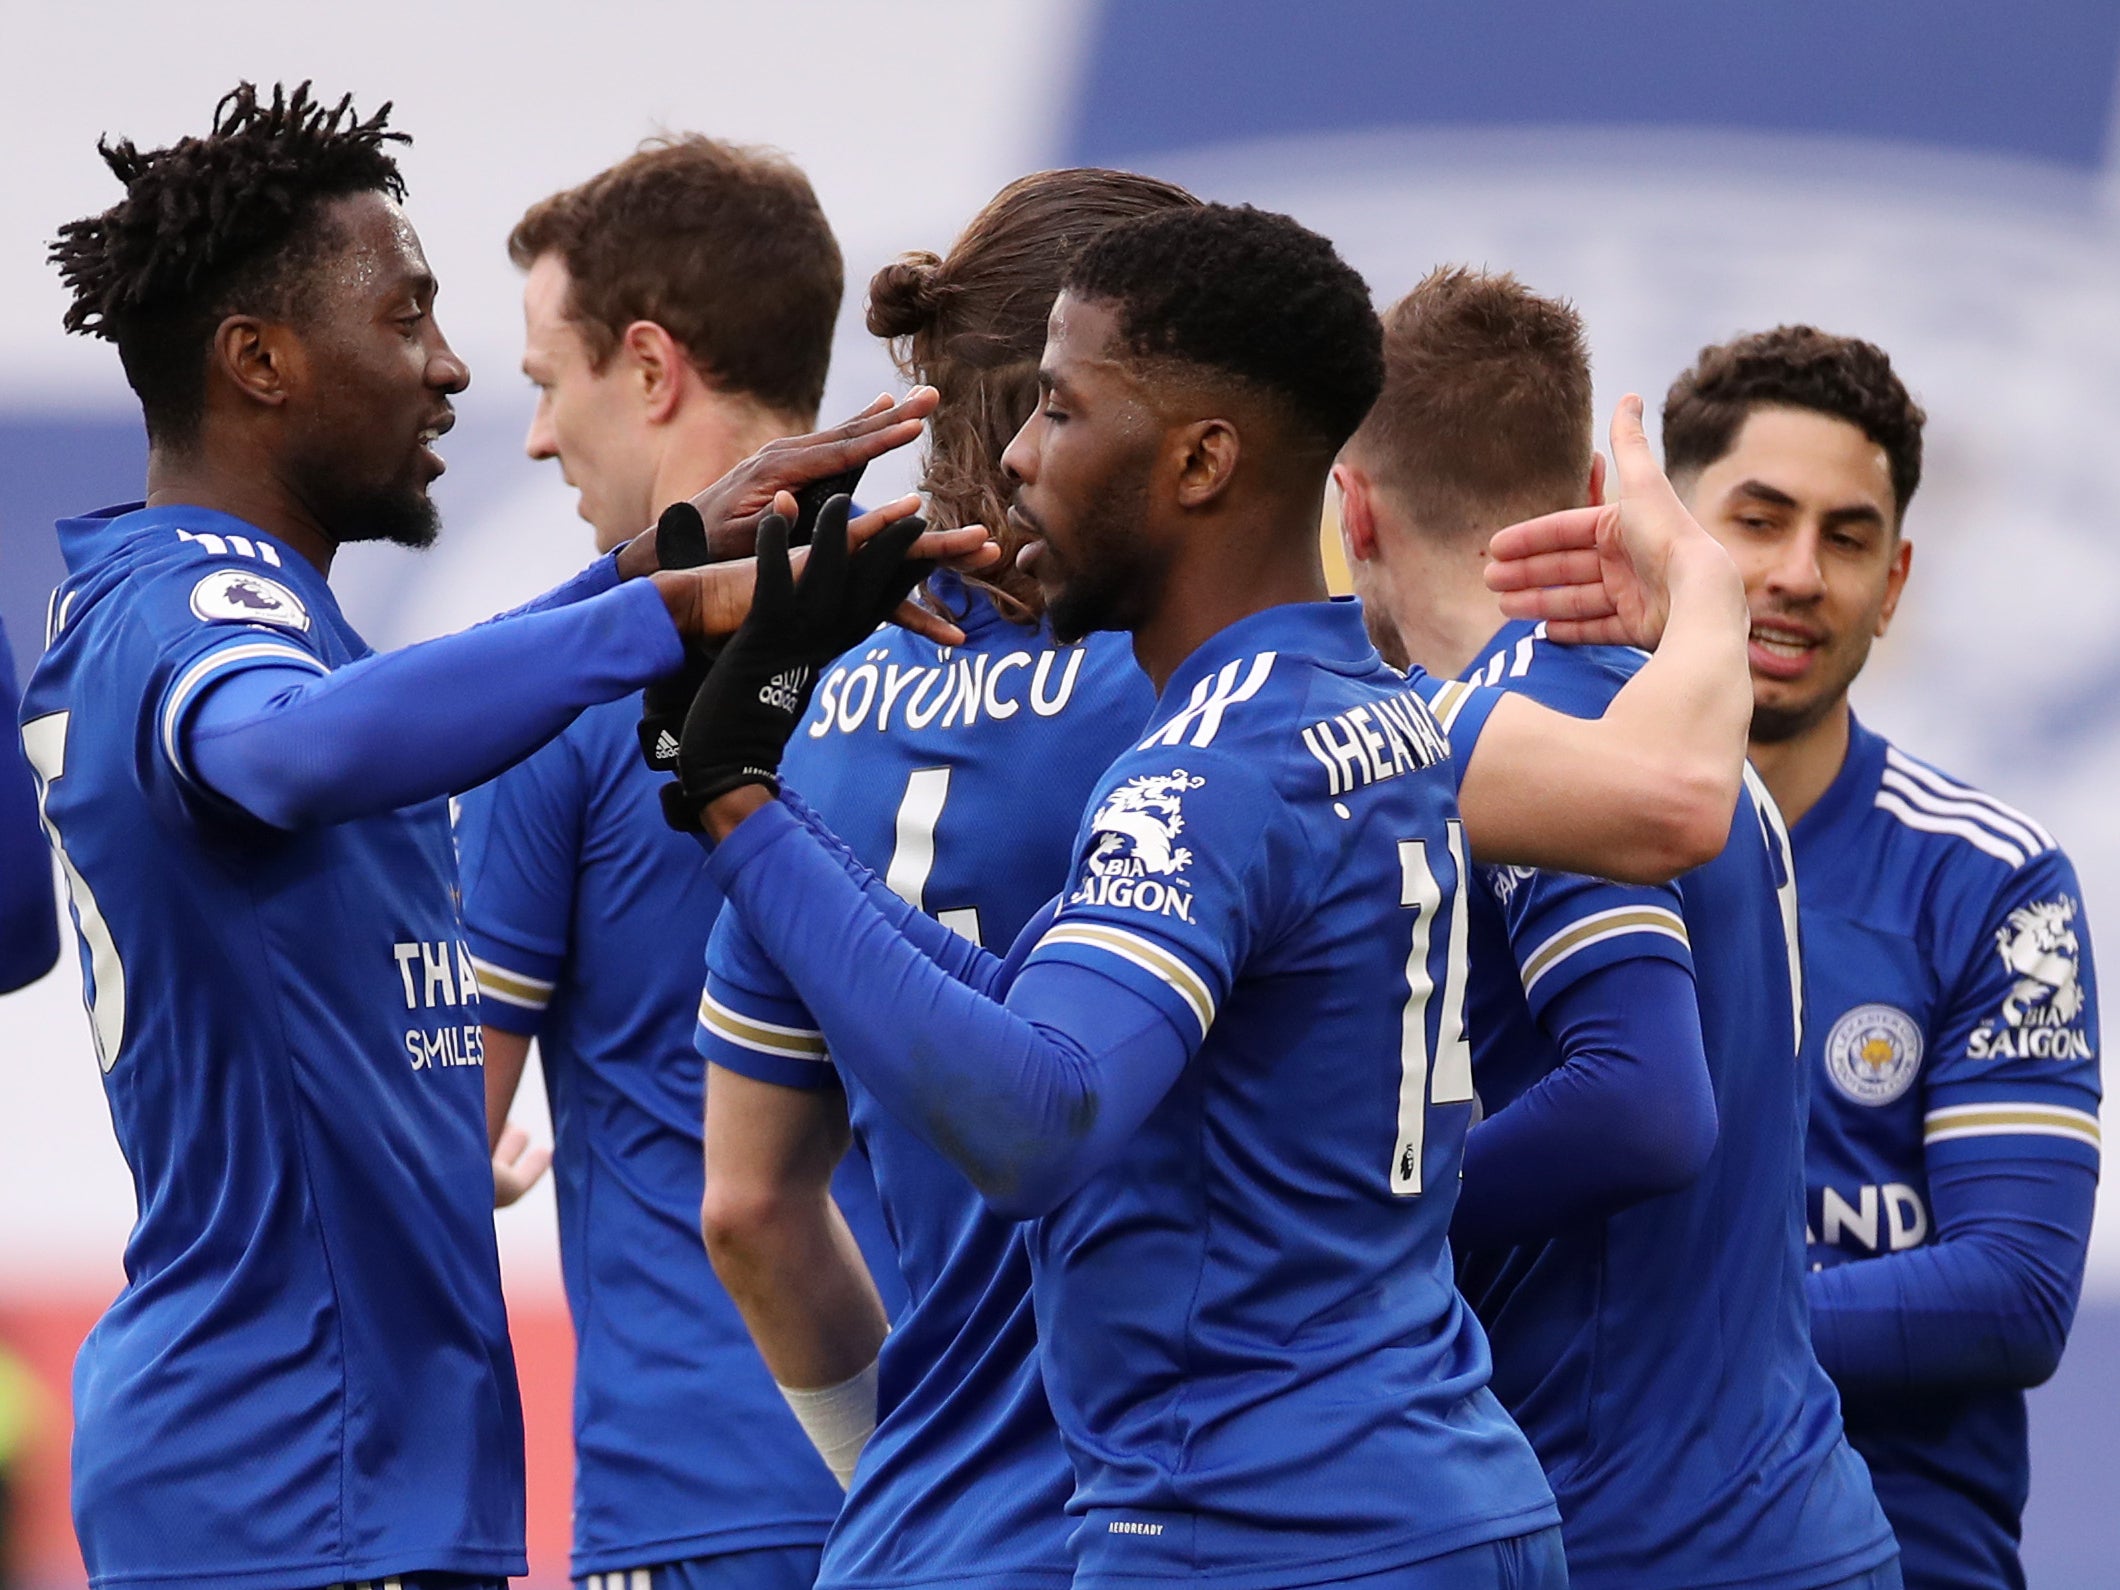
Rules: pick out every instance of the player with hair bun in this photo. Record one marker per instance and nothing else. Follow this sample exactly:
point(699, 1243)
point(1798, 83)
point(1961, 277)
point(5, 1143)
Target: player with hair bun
point(957, 774)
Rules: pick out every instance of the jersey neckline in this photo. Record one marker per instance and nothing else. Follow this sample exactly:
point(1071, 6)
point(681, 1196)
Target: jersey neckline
point(1858, 773)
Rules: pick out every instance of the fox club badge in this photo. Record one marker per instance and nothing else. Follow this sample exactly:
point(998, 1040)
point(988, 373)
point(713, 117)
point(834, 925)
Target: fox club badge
point(1873, 1053)
point(248, 599)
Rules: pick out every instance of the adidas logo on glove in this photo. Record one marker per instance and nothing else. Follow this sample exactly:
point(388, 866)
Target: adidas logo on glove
point(785, 690)
point(666, 749)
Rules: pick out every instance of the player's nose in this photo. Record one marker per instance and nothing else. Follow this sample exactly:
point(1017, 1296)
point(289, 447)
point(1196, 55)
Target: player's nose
point(1796, 571)
point(446, 371)
point(540, 443)
point(1019, 460)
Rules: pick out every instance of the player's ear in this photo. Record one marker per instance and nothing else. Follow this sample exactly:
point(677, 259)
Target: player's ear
point(659, 368)
point(1358, 519)
point(1895, 580)
point(259, 359)
point(1595, 492)
point(1207, 461)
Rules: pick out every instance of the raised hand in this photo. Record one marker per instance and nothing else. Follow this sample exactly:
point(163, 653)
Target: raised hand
point(731, 508)
point(740, 722)
point(1603, 575)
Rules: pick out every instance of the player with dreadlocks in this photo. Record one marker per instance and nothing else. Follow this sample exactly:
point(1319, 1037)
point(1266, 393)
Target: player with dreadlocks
point(307, 1378)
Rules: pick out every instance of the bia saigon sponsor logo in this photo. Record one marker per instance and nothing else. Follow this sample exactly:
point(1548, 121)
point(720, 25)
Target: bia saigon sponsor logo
point(1873, 1052)
point(1136, 859)
point(2039, 1015)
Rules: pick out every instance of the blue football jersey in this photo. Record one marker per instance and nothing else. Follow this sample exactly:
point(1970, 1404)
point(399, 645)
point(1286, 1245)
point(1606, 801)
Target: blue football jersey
point(959, 775)
point(1954, 1020)
point(1660, 1359)
point(1252, 1339)
point(587, 917)
point(307, 1378)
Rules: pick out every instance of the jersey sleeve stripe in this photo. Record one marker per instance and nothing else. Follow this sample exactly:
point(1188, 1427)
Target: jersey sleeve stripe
point(1598, 928)
point(2010, 1120)
point(215, 662)
point(1951, 788)
point(511, 988)
point(1930, 823)
point(1149, 956)
point(1450, 698)
point(1928, 800)
point(763, 1037)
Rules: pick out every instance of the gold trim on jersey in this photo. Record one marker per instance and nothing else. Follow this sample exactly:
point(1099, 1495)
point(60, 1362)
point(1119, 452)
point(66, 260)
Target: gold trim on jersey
point(766, 1037)
point(1151, 957)
point(1596, 928)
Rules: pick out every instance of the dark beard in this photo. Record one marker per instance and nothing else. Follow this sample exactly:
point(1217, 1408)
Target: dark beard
point(1772, 726)
point(404, 517)
point(1112, 581)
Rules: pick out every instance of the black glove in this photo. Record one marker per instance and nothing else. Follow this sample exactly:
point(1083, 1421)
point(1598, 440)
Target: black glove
point(680, 543)
point(746, 711)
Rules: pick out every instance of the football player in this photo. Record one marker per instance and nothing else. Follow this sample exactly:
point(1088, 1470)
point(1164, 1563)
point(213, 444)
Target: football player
point(29, 926)
point(678, 311)
point(307, 1378)
point(1639, 1275)
point(1952, 1019)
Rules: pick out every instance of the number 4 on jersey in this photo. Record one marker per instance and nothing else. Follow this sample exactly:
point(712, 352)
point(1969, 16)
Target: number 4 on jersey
point(1446, 1076)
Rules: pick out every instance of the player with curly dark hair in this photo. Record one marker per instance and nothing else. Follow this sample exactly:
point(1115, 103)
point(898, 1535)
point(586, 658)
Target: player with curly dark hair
point(1224, 1074)
point(214, 226)
point(1951, 1001)
point(307, 1379)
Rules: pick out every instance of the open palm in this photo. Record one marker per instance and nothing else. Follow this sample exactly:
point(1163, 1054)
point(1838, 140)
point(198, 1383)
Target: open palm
point(1601, 575)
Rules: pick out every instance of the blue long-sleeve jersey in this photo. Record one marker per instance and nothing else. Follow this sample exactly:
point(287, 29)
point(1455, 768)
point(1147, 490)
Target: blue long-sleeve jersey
point(587, 918)
point(958, 774)
point(307, 1378)
point(1251, 1340)
point(1953, 1155)
point(1659, 1357)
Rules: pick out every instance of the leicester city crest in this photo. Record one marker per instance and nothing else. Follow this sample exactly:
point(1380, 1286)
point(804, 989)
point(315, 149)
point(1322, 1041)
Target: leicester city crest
point(1873, 1052)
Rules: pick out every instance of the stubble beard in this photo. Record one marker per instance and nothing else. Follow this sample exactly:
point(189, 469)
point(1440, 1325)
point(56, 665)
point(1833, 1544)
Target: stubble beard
point(1112, 584)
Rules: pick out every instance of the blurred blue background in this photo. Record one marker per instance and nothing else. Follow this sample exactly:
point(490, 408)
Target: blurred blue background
point(1937, 175)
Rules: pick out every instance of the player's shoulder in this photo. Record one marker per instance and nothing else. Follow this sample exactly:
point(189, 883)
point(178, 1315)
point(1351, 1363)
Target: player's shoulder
point(1578, 680)
point(174, 566)
point(1006, 677)
point(1948, 826)
point(1306, 712)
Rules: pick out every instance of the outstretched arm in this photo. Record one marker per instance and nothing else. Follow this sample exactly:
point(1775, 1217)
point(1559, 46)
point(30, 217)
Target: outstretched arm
point(1647, 791)
point(296, 747)
point(1029, 1095)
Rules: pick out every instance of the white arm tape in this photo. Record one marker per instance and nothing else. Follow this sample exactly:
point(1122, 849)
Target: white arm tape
point(838, 1420)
